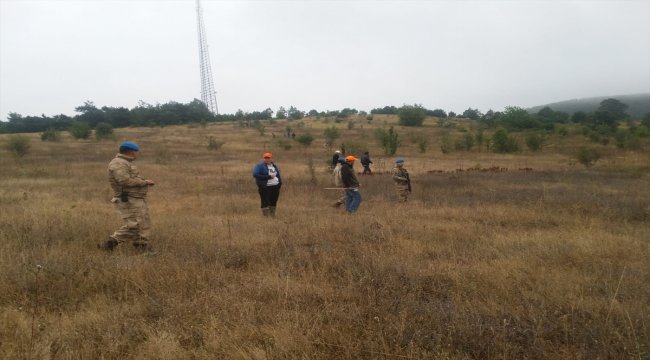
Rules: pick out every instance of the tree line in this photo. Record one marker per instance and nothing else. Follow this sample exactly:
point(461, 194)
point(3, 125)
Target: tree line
point(603, 121)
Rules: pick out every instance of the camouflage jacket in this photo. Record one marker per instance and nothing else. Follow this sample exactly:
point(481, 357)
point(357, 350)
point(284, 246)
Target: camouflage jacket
point(400, 176)
point(124, 176)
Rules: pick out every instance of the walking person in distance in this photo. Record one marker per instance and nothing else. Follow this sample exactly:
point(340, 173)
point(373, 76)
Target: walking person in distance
point(365, 162)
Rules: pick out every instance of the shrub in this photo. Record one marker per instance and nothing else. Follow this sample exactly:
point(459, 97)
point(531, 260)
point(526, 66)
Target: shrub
point(643, 131)
point(305, 139)
point(257, 125)
point(480, 138)
point(103, 130)
point(446, 145)
point(389, 140)
point(534, 142)
point(214, 144)
point(411, 115)
point(646, 120)
point(18, 145)
point(468, 141)
point(627, 139)
point(331, 134)
point(79, 130)
point(459, 145)
point(50, 135)
point(587, 156)
point(422, 143)
point(503, 143)
point(284, 144)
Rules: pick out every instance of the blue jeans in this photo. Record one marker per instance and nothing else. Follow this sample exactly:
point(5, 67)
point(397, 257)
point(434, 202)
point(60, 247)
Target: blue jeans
point(352, 200)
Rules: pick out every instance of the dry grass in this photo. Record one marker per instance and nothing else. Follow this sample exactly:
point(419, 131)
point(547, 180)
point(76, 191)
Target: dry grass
point(549, 263)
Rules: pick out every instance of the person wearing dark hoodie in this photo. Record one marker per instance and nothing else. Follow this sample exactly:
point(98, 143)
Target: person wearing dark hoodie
point(268, 180)
point(351, 184)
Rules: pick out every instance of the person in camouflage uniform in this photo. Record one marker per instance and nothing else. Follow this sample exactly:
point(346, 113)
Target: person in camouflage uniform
point(402, 180)
point(129, 198)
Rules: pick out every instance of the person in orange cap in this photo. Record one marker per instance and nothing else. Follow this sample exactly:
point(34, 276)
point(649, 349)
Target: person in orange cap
point(351, 184)
point(268, 180)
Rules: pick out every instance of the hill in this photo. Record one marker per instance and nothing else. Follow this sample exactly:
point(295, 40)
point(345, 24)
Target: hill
point(639, 104)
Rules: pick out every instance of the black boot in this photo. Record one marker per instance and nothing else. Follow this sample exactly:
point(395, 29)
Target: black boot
point(107, 245)
point(142, 245)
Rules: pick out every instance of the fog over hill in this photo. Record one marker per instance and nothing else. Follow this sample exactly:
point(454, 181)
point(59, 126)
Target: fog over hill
point(638, 104)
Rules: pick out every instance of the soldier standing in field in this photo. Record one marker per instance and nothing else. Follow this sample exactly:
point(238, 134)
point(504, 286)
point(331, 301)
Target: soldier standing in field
point(402, 180)
point(129, 199)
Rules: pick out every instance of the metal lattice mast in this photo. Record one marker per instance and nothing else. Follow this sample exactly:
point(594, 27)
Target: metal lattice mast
point(208, 94)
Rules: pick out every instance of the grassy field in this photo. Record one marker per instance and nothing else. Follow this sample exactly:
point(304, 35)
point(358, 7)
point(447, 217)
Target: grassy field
point(552, 262)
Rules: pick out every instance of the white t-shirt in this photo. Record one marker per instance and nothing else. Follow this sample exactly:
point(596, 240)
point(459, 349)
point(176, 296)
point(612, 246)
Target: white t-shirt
point(275, 181)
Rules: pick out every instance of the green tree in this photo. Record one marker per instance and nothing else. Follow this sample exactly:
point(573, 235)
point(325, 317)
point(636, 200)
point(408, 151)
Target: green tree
point(516, 118)
point(80, 130)
point(281, 113)
point(615, 107)
point(472, 114)
point(103, 131)
point(294, 113)
point(411, 115)
point(117, 117)
point(90, 114)
point(502, 142)
point(579, 117)
point(609, 113)
point(437, 113)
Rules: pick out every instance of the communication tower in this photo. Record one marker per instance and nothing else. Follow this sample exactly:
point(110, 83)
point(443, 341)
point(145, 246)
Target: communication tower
point(208, 94)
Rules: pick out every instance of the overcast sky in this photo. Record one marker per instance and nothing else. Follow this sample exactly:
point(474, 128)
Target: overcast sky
point(324, 55)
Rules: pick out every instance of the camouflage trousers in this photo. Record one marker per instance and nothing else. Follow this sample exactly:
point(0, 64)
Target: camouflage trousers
point(402, 193)
point(135, 215)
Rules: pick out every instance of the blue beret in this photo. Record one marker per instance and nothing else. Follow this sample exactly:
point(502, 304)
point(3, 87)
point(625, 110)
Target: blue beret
point(399, 161)
point(341, 160)
point(130, 146)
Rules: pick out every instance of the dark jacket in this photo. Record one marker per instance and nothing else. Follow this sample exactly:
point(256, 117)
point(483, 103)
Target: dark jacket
point(348, 177)
point(335, 159)
point(261, 174)
point(365, 160)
